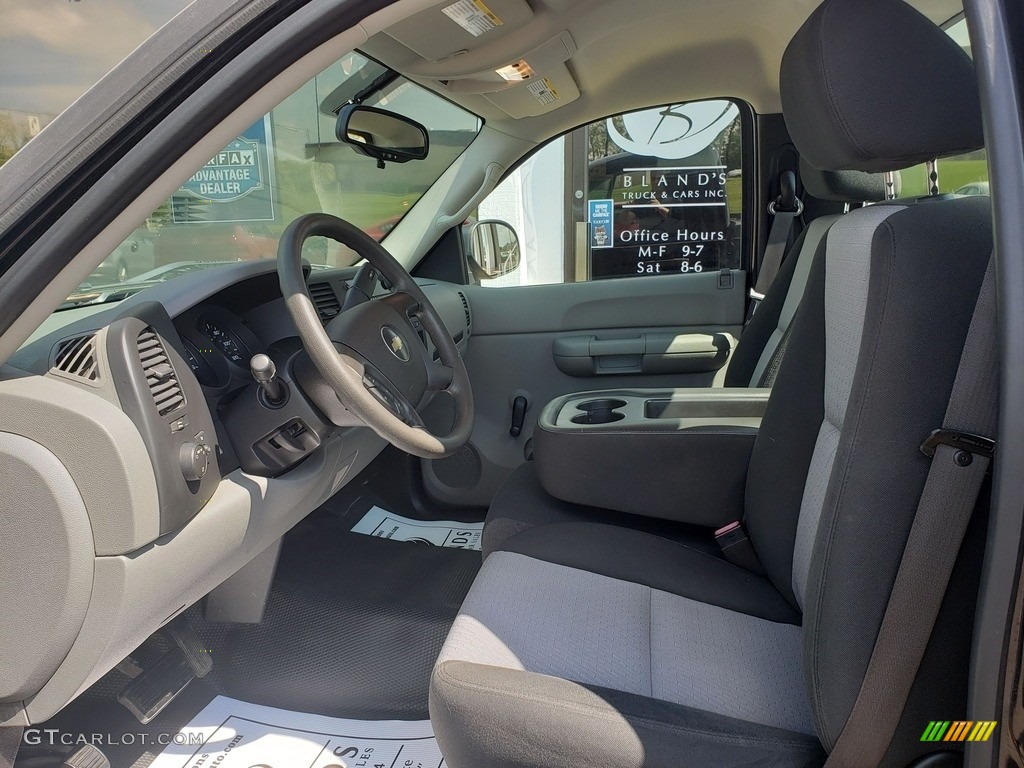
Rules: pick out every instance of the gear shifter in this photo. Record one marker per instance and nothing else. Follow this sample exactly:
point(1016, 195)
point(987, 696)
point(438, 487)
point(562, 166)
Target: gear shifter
point(264, 371)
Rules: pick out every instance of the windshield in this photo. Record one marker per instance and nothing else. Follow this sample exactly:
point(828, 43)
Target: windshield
point(286, 164)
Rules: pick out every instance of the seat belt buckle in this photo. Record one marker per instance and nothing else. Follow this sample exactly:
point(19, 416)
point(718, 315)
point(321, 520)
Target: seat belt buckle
point(755, 301)
point(964, 442)
point(732, 539)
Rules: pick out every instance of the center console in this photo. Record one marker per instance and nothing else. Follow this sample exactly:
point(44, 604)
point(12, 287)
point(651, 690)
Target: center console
point(679, 454)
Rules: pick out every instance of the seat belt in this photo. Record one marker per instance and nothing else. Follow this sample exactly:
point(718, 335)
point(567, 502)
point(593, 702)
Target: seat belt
point(785, 210)
point(960, 460)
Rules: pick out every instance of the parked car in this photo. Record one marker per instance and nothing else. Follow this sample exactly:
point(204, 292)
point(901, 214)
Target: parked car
point(134, 256)
point(974, 188)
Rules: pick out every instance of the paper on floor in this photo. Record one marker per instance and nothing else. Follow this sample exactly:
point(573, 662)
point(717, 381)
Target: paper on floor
point(235, 734)
point(441, 533)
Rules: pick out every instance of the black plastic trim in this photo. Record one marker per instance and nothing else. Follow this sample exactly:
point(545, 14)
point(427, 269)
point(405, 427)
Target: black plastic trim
point(996, 30)
point(447, 259)
point(180, 499)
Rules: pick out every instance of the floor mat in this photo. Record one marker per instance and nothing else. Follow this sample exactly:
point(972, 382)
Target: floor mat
point(352, 628)
point(236, 734)
point(439, 533)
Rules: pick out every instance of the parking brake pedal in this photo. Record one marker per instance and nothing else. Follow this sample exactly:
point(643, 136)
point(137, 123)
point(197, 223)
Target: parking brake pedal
point(147, 695)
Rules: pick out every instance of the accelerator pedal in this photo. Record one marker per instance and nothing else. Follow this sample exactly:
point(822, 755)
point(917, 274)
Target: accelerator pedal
point(198, 657)
point(150, 692)
point(86, 757)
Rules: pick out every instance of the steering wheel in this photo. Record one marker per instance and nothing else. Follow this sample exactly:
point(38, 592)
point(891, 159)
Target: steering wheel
point(370, 356)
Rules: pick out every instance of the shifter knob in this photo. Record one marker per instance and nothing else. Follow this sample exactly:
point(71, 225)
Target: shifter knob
point(265, 373)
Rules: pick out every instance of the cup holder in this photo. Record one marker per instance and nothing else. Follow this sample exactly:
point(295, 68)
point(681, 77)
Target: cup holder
point(599, 411)
point(608, 404)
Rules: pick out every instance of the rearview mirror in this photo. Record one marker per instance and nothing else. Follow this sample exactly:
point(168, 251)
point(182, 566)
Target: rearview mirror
point(382, 135)
point(494, 249)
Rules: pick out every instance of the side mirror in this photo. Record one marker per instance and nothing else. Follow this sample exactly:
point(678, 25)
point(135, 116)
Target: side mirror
point(493, 249)
point(382, 135)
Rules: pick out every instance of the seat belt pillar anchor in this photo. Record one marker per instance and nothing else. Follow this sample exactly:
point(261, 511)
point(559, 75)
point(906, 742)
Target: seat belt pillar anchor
point(965, 443)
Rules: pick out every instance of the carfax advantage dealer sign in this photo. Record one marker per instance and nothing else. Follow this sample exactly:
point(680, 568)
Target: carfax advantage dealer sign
point(235, 185)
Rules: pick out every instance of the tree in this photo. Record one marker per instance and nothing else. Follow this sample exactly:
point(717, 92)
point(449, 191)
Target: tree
point(12, 137)
point(729, 145)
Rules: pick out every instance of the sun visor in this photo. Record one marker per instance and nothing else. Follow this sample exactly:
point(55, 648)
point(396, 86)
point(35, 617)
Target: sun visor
point(450, 28)
point(543, 93)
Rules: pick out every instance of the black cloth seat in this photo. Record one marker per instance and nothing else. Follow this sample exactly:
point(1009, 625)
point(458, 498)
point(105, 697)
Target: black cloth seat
point(583, 644)
point(522, 502)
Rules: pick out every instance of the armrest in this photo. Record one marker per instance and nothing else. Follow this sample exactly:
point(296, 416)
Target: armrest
point(689, 470)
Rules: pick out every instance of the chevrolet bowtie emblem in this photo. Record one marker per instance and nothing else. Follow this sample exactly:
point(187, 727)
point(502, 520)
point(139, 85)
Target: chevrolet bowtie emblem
point(396, 344)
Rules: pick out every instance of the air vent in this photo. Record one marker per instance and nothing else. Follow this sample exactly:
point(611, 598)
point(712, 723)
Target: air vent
point(465, 308)
point(325, 299)
point(77, 357)
point(160, 376)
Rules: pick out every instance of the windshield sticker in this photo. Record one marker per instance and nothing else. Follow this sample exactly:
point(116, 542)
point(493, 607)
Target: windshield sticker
point(602, 226)
point(473, 16)
point(235, 185)
point(235, 734)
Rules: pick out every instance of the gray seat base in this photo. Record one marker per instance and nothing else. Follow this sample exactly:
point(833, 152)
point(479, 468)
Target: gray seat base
point(549, 665)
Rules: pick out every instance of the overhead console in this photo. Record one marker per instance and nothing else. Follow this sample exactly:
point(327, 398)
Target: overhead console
point(496, 48)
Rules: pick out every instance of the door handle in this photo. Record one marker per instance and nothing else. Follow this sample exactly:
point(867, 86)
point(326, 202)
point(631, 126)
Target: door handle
point(647, 353)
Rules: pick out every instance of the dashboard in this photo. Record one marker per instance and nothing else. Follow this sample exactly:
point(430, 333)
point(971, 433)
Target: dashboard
point(158, 471)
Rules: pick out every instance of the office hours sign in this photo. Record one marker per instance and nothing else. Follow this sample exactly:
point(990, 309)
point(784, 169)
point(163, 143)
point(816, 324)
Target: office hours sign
point(659, 199)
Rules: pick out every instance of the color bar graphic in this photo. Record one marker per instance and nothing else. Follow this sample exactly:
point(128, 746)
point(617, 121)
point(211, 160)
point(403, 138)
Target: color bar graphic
point(959, 730)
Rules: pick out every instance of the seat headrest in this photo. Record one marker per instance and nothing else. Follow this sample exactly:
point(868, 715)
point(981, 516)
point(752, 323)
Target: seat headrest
point(846, 186)
point(873, 85)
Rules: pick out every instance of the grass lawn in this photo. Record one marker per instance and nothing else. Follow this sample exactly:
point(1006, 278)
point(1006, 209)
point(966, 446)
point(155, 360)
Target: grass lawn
point(953, 174)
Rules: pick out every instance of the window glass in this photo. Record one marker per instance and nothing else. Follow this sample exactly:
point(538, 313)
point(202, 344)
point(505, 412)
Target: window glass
point(287, 164)
point(653, 192)
point(53, 51)
point(964, 174)
point(664, 190)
